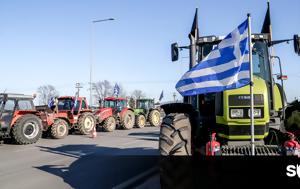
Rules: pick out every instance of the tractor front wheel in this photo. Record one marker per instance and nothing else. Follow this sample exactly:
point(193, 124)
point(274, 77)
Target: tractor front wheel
point(109, 124)
point(86, 123)
point(175, 135)
point(27, 129)
point(59, 129)
point(154, 118)
point(140, 121)
point(127, 121)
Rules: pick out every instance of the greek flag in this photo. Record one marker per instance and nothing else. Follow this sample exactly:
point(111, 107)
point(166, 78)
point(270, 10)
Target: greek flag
point(51, 102)
point(161, 95)
point(225, 67)
point(116, 90)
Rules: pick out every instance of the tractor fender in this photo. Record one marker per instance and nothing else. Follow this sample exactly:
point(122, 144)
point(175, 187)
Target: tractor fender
point(103, 114)
point(20, 113)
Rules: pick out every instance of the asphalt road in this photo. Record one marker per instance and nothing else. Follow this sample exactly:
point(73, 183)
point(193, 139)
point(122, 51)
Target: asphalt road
point(79, 161)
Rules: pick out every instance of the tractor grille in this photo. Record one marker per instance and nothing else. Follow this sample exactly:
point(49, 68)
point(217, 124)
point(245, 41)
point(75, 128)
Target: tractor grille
point(245, 150)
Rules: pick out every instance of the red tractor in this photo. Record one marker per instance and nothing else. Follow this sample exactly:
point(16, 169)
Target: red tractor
point(19, 119)
point(69, 113)
point(113, 112)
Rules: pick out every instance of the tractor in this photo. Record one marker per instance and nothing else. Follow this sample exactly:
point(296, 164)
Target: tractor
point(223, 118)
point(113, 112)
point(67, 115)
point(19, 119)
point(146, 112)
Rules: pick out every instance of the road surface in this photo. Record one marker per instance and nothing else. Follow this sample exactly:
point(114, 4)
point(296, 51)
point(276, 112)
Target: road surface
point(80, 161)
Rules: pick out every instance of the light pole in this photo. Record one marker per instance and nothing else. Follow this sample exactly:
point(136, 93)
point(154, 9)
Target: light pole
point(92, 51)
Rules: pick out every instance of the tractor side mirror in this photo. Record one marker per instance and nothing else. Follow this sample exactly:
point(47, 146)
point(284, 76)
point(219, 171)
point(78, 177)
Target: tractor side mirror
point(100, 103)
point(174, 52)
point(297, 44)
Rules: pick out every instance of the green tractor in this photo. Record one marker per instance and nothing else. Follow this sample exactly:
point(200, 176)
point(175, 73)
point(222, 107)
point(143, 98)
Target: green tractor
point(145, 111)
point(224, 117)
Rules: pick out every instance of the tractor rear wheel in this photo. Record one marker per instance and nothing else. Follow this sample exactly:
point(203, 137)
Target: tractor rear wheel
point(59, 129)
point(27, 129)
point(86, 123)
point(127, 121)
point(175, 135)
point(109, 124)
point(140, 121)
point(154, 118)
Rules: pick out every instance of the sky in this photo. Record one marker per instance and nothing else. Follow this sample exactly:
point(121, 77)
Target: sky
point(52, 41)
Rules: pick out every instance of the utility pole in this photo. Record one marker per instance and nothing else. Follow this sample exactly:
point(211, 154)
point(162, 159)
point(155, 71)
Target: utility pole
point(78, 87)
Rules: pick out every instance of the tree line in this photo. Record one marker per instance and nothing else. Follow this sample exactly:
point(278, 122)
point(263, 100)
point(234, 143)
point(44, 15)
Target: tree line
point(100, 90)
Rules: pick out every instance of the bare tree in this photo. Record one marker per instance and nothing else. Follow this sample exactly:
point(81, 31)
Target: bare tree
point(45, 92)
point(138, 94)
point(102, 89)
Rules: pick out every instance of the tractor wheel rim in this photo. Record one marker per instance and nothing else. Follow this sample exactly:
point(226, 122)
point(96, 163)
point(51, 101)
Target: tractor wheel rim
point(61, 130)
point(111, 123)
point(142, 121)
point(88, 123)
point(30, 130)
point(128, 119)
point(156, 118)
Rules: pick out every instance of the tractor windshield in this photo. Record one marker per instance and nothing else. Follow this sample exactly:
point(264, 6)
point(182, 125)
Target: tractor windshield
point(109, 104)
point(260, 61)
point(143, 104)
point(67, 104)
point(114, 103)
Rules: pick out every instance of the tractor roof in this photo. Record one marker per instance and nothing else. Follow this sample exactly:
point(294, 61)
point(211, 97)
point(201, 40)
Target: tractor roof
point(70, 97)
point(214, 39)
point(16, 96)
point(114, 99)
point(145, 99)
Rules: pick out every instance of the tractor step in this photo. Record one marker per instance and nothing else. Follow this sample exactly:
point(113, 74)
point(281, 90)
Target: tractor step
point(245, 150)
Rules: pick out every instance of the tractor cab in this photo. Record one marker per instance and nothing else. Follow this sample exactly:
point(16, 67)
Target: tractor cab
point(71, 104)
point(117, 104)
point(145, 104)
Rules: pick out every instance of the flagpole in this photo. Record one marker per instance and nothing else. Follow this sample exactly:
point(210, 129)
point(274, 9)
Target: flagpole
point(251, 86)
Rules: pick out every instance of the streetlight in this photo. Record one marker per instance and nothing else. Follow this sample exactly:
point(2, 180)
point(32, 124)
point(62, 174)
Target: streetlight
point(92, 50)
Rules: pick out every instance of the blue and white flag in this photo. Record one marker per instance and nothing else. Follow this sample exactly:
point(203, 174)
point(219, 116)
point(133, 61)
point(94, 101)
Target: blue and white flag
point(225, 67)
point(161, 95)
point(116, 90)
point(51, 102)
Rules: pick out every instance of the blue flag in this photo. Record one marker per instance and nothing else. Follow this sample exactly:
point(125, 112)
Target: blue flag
point(161, 95)
point(225, 67)
point(51, 102)
point(116, 90)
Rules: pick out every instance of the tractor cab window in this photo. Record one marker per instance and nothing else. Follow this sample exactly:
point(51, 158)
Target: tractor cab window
point(77, 105)
point(143, 104)
point(260, 61)
point(65, 104)
point(83, 105)
point(108, 104)
point(121, 104)
point(25, 105)
point(9, 105)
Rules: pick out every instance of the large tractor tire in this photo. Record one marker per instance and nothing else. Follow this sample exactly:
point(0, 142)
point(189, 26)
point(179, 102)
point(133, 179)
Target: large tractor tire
point(59, 129)
point(27, 129)
point(175, 135)
point(154, 118)
point(140, 121)
point(86, 123)
point(109, 124)
point(127, 121)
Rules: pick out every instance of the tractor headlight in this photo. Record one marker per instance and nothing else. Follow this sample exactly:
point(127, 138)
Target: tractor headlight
point(236, 113)
point(256, 112)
